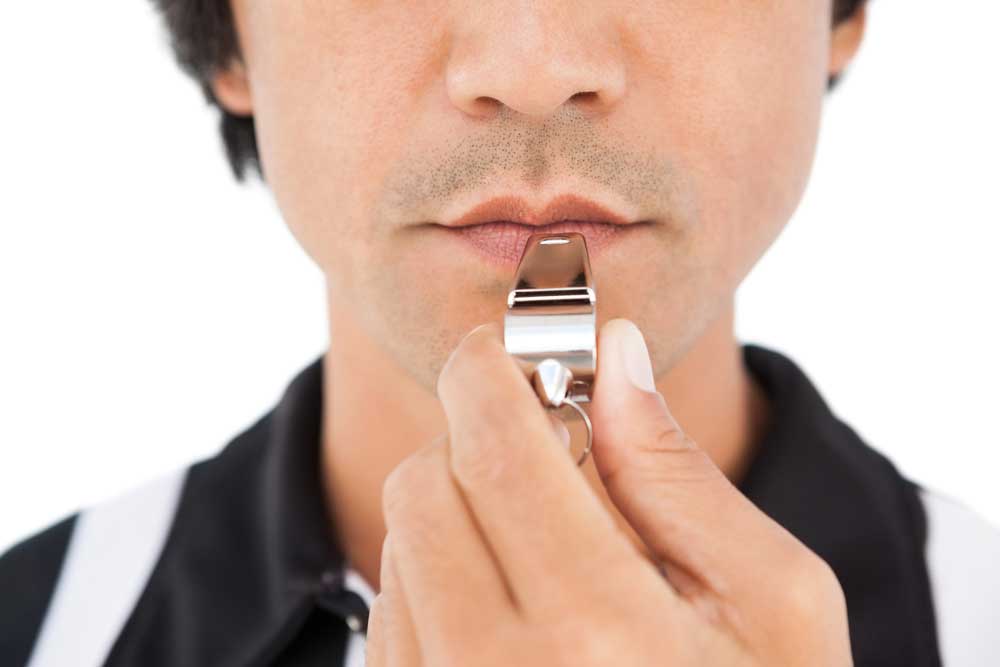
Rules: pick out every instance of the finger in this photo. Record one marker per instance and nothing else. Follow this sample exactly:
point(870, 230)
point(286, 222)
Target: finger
point(443, 564)
point(375, 636)
point(537, 512)
point(669, 489)
point(401, 647)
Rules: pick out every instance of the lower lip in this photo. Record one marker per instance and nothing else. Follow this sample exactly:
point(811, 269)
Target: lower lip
point(503, 242)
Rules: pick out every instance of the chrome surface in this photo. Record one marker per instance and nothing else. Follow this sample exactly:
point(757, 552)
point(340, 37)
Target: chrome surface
point(551, 320)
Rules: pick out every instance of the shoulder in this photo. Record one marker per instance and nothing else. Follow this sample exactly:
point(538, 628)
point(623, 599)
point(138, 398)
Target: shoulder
point(79, 577)
point(28, 574)
point(962, 552)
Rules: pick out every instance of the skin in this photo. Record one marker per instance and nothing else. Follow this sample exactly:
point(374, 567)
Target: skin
point(547, 578)
point(377, 119)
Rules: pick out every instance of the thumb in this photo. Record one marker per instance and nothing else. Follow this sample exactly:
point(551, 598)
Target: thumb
point(632, 424)
point(667, 488)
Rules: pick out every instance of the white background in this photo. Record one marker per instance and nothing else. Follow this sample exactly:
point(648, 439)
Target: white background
point(150, 308)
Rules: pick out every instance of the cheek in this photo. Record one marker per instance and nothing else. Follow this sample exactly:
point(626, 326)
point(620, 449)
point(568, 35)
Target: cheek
point(330, 106)
point(741, 89)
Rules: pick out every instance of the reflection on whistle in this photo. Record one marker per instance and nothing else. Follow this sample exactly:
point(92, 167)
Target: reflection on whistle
point(550, 327)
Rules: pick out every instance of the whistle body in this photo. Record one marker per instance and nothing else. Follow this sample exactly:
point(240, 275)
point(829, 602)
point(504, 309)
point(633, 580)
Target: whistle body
point(551, 318)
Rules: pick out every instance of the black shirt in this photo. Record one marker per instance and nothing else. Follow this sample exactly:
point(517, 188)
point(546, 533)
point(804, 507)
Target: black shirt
point(251, 573)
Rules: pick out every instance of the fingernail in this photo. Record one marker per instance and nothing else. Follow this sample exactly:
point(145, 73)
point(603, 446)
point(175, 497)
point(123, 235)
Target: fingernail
point(635, 357)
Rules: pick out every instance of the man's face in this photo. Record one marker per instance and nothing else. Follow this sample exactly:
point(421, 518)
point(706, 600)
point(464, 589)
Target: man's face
point(379, 121)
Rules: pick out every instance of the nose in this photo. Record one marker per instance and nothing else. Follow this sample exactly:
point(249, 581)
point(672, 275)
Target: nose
point(533, 56)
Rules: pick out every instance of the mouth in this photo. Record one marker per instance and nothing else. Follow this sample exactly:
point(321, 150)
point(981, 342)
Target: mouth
point(498, 229)
point(503, 242)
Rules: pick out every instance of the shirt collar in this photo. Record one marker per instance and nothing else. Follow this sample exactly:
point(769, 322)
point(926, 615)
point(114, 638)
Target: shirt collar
point(815, 476)
point(300, 539)
point(302, 534)
point(252, 550)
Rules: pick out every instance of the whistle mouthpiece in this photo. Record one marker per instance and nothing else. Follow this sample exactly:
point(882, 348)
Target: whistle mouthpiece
point(551, 318)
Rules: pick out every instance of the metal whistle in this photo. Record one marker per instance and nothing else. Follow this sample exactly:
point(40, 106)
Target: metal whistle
point(550, 326)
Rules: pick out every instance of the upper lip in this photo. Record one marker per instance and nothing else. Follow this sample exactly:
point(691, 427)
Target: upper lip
point(517, 210)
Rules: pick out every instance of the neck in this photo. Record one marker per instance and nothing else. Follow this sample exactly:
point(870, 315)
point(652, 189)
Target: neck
point(375, 415)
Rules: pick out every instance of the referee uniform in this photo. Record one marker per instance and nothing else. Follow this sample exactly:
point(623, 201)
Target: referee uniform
point(233, 561)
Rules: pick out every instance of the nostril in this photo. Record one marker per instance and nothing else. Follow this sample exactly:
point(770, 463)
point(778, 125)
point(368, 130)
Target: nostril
point(587, 100)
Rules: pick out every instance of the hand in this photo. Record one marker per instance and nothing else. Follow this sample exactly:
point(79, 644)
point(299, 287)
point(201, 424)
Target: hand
point(499, 553)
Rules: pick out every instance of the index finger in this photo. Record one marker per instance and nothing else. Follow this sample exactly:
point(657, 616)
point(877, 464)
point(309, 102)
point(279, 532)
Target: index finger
point(548, 529)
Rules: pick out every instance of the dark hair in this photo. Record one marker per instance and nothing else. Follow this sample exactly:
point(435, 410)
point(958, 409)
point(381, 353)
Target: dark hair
point(203, 38)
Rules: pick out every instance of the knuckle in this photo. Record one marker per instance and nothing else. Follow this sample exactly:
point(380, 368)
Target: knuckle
point(409, 481)
point(413, 497)
point(401, 488)
point(679, 457)
point(491, 452)
point(670, 439)
point(811, 585)
point(491, 426)
point(489, 464)
point(575, 639)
